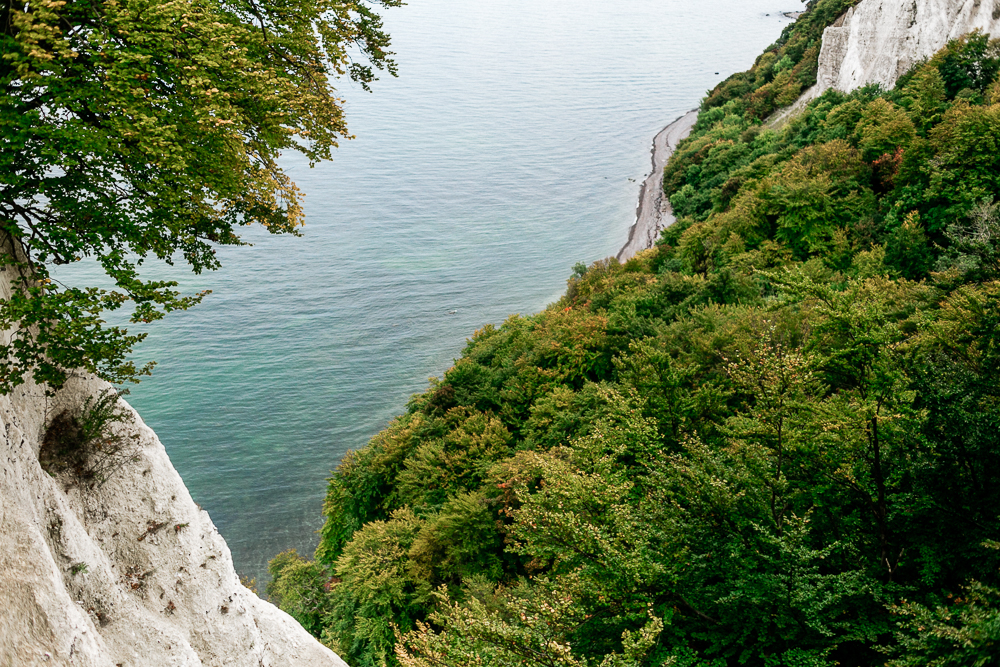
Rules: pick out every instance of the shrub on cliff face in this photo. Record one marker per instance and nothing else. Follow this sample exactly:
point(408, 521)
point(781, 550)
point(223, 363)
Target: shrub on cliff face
point(92, 445)
point(299, 587)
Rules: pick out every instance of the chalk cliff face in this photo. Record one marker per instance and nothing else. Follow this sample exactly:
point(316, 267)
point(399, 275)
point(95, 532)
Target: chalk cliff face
point(879, 40)
point(128, 573)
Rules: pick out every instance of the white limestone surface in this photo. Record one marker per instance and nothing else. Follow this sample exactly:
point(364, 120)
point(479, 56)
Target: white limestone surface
point(130, 573)
point(877, 41)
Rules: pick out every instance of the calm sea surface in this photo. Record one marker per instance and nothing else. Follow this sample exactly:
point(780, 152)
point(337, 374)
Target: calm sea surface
point(509, 148)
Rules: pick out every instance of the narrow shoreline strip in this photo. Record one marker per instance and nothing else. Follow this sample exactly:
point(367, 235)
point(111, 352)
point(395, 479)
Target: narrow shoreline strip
point(653, 214)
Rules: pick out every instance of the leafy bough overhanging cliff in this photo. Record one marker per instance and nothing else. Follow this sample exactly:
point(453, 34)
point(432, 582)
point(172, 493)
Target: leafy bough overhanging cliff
point(769, 440)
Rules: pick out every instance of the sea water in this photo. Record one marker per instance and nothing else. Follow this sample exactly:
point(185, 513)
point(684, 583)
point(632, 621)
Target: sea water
point(510, 147)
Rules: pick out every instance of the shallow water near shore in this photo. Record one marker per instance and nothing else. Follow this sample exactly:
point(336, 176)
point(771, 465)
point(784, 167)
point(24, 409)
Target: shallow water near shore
point(510, 147)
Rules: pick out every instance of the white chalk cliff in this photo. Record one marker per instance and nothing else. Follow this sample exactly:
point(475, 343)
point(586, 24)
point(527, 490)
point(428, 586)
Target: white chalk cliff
point(129, 573)
point(877, 41)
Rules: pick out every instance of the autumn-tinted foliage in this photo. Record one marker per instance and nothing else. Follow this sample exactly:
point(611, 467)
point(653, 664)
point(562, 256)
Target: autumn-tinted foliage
point(770, 440)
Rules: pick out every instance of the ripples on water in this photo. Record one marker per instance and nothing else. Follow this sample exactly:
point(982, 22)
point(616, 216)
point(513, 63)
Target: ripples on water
point(499, 158)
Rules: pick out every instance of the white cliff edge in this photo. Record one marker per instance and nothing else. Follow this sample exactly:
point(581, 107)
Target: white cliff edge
point(877, 41)
point(130, 573)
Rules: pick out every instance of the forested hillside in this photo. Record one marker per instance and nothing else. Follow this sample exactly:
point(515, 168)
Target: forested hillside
point(774, 439)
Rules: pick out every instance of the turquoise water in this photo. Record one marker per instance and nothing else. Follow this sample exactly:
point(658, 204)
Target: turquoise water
point(509, 148)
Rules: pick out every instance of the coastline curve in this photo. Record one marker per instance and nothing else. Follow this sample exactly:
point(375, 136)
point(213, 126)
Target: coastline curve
point(653, 213)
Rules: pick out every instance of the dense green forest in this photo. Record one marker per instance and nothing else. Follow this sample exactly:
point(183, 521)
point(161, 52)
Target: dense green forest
point(773, 439)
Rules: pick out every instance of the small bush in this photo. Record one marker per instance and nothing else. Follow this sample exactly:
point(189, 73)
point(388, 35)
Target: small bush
point(299, 587)
point(249, 583)
point(85, 445)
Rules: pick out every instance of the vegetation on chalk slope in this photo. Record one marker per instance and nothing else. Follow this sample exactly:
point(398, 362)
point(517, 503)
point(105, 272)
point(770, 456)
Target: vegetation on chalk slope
point(770, 440)
point(785, 70)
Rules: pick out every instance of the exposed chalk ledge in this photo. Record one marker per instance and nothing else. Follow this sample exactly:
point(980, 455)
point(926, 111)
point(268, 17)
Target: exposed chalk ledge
point(129, 573)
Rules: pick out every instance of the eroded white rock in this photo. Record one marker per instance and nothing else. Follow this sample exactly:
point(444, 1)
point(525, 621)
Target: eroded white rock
point(880, 40)
point(877, 41)
point(129, 573)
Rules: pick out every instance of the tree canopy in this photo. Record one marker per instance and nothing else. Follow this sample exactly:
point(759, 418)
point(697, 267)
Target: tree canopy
point(150, 130)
